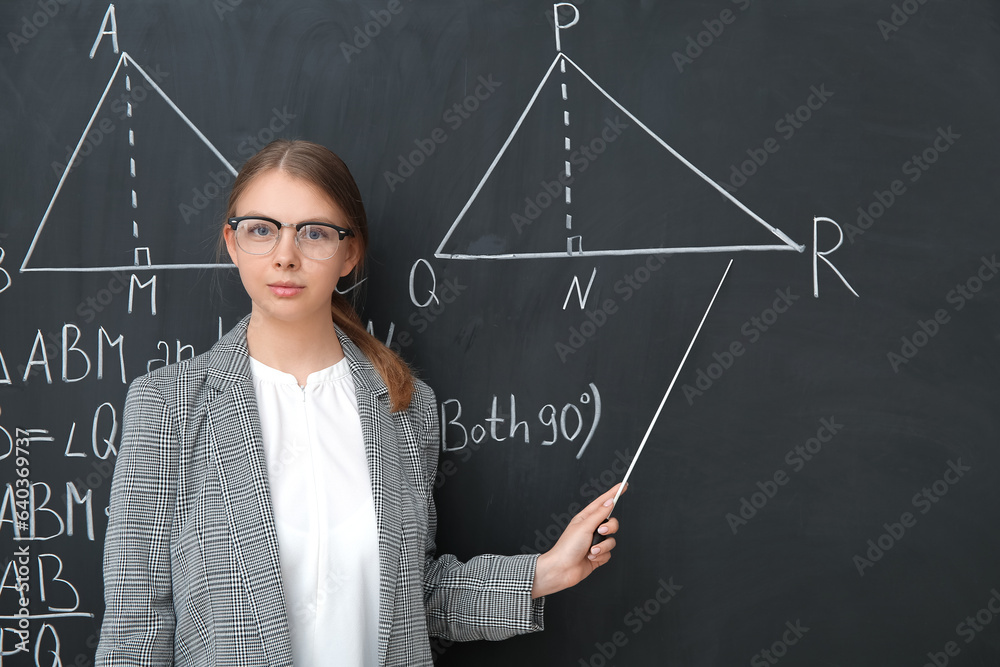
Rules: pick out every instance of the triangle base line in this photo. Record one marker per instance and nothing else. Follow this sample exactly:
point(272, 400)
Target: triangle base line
point(125, 267)
point(629, 251)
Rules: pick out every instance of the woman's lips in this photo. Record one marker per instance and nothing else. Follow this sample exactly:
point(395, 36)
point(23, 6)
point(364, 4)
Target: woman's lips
point(281, 289)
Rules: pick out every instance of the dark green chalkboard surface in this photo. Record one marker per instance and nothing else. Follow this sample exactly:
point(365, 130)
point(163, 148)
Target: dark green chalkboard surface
point(554, 194)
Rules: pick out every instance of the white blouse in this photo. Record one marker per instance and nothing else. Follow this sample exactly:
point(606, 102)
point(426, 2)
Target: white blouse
point(322, 501)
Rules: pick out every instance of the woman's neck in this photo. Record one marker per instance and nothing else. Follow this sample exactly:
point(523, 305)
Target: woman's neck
point(298, 348)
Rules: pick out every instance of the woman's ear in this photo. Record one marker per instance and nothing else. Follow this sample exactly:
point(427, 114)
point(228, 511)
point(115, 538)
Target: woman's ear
point(351, 261)
point(230, 235)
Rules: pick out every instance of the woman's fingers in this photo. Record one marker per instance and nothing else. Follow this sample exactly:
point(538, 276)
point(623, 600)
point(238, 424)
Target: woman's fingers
point(599, 508)
point(609, 528)
point(600, 553)
point(597, 515)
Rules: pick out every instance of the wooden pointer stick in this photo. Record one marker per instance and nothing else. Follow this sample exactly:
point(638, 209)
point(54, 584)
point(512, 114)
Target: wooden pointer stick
point(597, 536)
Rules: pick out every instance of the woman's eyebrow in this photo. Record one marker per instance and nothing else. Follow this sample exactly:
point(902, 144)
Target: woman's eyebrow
point(316, 218)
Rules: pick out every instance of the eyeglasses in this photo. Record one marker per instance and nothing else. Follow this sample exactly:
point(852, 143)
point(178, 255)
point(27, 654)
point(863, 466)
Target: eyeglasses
point(316, 240)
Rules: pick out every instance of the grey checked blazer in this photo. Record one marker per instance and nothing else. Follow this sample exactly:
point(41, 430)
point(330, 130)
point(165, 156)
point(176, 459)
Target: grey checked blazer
point(191, 568)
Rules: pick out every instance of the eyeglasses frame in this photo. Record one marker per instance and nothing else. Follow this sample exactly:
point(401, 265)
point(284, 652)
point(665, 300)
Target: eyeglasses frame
point(342, 232)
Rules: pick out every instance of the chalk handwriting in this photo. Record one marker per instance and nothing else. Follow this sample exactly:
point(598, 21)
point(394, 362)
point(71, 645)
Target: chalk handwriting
point(413, 296)
point(163, 345)
point(54, 651)
point(59, 595)
point(566, 423)
point(151, 283)
point(39, 355)
point(3, 367)
point(3, 272)
point(388, 338)
point(35, 515)
point(821, 254)
point(581, 296)
point(109, 17)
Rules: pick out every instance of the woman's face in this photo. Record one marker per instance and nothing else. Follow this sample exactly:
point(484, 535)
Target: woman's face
point(283, 284)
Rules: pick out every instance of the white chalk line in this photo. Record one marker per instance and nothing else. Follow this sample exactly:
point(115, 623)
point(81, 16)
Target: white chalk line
point(568, 172)
point(131, 160)
point(166, 98)
point(65, 614)
point(627, 251)
point(499, 155)
point(72, 159)
point(125, 267)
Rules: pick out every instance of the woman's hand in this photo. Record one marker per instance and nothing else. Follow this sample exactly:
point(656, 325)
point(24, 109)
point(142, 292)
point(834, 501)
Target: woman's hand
point(572, 559)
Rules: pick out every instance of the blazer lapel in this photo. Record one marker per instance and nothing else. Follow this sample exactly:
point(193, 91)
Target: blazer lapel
point(385, 471)
point(236, 448)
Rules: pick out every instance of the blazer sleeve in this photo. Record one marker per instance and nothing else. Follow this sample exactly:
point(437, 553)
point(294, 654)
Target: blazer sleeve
point(487, 597)
point(138, 625)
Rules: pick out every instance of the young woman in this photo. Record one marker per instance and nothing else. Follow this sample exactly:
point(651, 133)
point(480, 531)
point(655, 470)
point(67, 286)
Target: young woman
point(272, 499)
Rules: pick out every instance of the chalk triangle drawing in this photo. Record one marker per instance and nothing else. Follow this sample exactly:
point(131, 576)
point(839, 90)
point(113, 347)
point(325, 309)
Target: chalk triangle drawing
point(165, 216)
point(522, 211)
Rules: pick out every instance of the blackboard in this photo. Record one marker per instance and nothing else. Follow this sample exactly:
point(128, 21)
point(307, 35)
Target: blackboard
point(820, 488)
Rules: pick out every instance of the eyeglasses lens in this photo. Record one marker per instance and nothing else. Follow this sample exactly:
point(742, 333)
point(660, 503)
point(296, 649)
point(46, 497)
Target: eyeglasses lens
point(259, 237)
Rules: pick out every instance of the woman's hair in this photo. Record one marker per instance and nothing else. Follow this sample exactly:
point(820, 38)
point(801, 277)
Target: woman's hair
point(321, 168)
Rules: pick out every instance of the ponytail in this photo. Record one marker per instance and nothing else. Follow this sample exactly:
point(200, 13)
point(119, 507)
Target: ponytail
point(390, 366)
